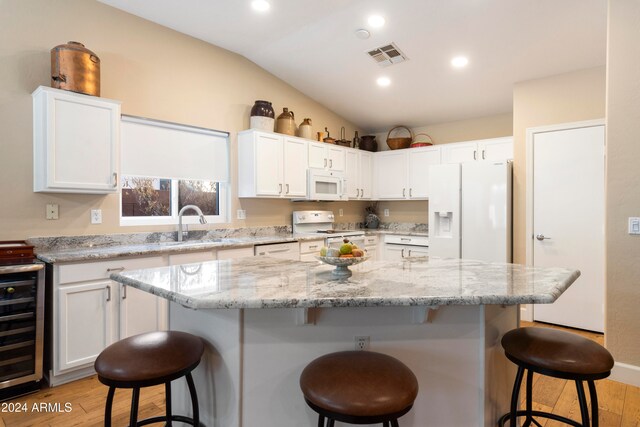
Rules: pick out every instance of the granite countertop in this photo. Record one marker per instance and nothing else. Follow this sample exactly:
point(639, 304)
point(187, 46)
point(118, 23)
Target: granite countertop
point(88, 253)
point(264, 282)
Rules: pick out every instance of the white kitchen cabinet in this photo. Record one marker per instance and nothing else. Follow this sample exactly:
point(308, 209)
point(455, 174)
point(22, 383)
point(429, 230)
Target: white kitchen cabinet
point(403, 174)
point(358, 173)
point(75, 142)
point(90, 312)
point(398, 247)
point(271, 165)
point(85, 323)
point(235, 253)
point(371, 246)
point(192, 257)
point(485, 149)
point(289, 250)
point(326, 156)
point(310, 249)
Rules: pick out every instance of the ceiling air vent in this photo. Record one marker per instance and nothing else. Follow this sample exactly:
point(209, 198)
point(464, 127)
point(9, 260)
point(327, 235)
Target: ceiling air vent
point(387, 55)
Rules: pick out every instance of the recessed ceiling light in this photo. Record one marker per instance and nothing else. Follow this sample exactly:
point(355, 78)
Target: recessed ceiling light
point(383, 81)
point(459, 62)
point(260, 5)
point(376, 21)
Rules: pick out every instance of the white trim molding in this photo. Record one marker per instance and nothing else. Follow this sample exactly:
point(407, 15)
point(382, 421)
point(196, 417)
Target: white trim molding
point(627, 374)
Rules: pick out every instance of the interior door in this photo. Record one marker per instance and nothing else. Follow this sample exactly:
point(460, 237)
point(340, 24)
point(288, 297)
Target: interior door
point(568, 221)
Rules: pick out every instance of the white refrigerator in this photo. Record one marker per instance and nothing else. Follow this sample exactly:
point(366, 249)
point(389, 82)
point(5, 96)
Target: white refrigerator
point(470, 211)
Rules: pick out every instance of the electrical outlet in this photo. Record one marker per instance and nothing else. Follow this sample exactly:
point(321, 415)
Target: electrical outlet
point(340, 212)
point(96, 216)
point(241, 214)
point(51, 211)
point(386, 212)
point(362, 343)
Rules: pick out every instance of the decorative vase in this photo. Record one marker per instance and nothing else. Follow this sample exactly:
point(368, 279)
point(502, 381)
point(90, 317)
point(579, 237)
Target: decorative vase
point(262, 116)
point(371, 221)
point(286, 123)
point(304, 130)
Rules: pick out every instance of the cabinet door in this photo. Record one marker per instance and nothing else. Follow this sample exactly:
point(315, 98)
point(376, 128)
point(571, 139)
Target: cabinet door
point(419, 162)
point(141, 312)
point(391, 175)
point(76, 141)
point(335, 154)
point(295, 168)
point(352, 174)
point(235, 253)
point(496, 149)
point(317, 155)
point(84, 323)
point(269, 156)
point(393, 252)
point(416, 251)
point(460, 152)
point(366, 175)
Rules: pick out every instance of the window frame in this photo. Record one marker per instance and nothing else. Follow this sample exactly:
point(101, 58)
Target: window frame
point(221, 218)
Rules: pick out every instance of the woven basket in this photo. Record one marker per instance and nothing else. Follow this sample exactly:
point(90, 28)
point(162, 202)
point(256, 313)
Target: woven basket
point(398, 143)
point(416, 144)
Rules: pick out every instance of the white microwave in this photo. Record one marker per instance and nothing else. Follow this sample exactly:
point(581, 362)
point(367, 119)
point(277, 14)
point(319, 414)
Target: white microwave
point(325, 185)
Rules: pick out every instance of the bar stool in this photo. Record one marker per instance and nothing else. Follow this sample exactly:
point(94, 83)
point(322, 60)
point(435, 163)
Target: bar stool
point(358, 387)
point(146, 360)
point(556, 354)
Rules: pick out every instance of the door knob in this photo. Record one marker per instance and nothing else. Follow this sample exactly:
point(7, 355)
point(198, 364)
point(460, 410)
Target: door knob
point(542, 237)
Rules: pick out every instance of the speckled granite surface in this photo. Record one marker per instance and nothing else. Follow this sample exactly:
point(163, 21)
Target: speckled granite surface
point(97, 247)
point(264, 282)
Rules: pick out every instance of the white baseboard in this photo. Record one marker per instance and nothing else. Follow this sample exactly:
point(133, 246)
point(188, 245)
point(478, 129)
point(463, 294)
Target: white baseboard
point(628, 374)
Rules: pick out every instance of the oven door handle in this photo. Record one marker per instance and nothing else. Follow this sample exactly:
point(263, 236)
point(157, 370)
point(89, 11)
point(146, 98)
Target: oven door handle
point(24, 268)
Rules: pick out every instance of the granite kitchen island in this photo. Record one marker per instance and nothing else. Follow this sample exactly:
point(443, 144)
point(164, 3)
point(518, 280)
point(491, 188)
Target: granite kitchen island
point(264, 319)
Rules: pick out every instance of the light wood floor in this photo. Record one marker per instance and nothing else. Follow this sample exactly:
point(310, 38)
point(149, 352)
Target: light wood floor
point(619, 404)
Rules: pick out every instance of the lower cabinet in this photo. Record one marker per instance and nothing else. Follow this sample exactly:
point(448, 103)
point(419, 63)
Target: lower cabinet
point(397, 247)
point(310, 249)
point(90, 312)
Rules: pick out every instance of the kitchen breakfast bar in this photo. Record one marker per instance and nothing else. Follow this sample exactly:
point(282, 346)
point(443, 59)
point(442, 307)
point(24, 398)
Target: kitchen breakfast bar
point(264, 319)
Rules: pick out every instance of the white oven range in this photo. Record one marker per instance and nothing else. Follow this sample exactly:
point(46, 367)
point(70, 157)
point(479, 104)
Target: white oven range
point(322, 223)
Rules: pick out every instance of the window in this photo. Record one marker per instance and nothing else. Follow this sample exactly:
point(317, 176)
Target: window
point(166, 167)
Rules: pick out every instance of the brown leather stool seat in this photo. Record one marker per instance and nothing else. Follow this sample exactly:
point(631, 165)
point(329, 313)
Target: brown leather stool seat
point(146, 360)
point(558, 354)
point(358, 387)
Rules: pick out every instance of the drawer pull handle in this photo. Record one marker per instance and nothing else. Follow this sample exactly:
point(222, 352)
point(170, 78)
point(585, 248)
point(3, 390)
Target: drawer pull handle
point(108, 293)
point(313, 246)
point(110, 270)
point(405, 239)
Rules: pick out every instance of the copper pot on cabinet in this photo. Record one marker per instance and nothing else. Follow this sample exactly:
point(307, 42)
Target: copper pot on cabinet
point(75, 68)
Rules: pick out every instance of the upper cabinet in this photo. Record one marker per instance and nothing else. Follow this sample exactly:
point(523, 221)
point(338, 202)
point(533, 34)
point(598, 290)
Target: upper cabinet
point(402, 174)
point(75, 142)
point(358, 174)
point(326, 156)
point(271, 165)
point(485, 149)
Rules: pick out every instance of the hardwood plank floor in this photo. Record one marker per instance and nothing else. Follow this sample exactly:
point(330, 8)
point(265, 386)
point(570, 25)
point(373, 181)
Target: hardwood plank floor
point(619, 404)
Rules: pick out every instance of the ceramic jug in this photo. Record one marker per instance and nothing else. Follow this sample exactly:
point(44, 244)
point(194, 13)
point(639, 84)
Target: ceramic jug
point(286, 123)
point(304, 130)
point(262, 116)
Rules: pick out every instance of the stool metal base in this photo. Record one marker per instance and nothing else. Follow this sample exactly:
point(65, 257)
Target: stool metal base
point(387, 420)
point(529, 413)
point(168, 418)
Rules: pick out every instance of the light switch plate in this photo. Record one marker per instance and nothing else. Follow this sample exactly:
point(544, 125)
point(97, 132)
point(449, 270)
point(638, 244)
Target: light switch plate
point(96, 216)
point(634, 225)
point(242, 214)
point(340, 212)
point(52, 211)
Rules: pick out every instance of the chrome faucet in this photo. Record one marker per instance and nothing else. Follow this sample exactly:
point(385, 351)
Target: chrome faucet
point(194, 208)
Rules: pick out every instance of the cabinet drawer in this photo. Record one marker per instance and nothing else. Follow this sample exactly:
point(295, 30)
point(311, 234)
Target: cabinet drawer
point(370, 241)
point(86, 271)
point(192, 257)
point(311, 247)
point(407, 240)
